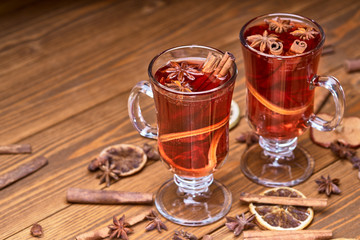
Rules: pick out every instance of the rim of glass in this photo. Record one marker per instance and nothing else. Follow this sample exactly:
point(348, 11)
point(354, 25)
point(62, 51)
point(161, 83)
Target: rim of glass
point(289, 15)
point(226, 84)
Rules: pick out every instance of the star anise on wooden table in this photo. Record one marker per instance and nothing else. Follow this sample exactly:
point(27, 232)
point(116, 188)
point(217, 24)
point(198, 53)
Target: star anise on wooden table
point(279, 25)
point(262, 41)
point(250, 138)
point(155, 222)
point(182, 235)
point(178, 86)
point(180, 71)
point(304, 33)
point(238, 224)
point(119, 228)
point(151, 152)
point(109, 172)
point(328, 185)
point(342, 150)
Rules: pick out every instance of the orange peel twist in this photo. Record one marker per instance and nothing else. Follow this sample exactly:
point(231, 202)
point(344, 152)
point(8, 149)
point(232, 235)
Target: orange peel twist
point(272, 106)
point(212, 149)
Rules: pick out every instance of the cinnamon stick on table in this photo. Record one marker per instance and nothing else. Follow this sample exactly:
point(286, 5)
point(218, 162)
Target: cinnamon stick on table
point(306, 202)
point(288, 234)
point(77, 195)
point(102, 233)
point(15, 148)
point(22, 171)
point(352, 65)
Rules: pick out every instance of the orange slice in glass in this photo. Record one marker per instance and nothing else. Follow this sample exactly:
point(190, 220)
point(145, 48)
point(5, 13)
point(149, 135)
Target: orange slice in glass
point(282, 217)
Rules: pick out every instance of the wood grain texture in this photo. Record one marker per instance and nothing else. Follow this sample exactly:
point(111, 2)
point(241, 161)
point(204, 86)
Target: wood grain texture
point(66, 72)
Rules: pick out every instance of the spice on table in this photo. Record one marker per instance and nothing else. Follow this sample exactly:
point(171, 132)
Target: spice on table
point(36, 230)
point(15, 148)
point(155, 222)
point(282, 216)
point(77, 195)
point(328, 49)
point(352, 65)
point(305, 202)
point(342, 150)
point(286, 235)
point(104, 232)
point(151, 152)
point(328, 185)
point(119, 228)
point(239, 223)
point(97, 162)
point(22, 171)
point(182, 235)
point(249, 138)
point(109, 173)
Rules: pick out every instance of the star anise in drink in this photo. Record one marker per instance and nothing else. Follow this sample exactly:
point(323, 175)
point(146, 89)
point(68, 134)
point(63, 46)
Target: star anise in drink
point(119, 228)
point(182, 70)
point(179, 86)
point(328, 185)
point(279, 25)
point(155, 222)
point(109, 173)
point(304, 33)
point(263, 41)
point(238, 224)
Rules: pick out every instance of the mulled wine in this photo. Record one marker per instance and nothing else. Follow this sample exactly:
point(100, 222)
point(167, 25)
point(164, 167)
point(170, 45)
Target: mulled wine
point(280, 98)
point(193, 121)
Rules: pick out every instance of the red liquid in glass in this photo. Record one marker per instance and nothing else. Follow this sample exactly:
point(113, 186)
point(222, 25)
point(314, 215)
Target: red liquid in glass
point(193, 131)
point(280, 99)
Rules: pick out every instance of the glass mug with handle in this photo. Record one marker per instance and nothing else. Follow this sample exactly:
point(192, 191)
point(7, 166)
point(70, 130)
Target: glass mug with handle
point(192, 89)
point(281, 55)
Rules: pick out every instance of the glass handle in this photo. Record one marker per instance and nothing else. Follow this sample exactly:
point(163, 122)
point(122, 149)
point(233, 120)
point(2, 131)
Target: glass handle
point(136, 118)
point(333, 85)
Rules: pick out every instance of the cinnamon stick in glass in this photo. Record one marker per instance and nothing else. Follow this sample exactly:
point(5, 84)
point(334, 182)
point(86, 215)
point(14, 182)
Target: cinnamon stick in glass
point(22, 171)
point(102, 233)
point(288, 234)
point(77, 195)
point(15, 148)
point(306, 202)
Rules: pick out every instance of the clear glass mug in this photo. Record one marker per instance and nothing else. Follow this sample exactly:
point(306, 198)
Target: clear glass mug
point(193, 140)
point(280, 101)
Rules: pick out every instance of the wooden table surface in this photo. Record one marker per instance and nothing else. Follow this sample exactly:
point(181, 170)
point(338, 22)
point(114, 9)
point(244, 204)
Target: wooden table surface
point(66, 70)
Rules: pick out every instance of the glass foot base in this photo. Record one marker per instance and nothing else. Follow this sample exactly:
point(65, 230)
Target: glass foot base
point(269, 172)
point(193, 210)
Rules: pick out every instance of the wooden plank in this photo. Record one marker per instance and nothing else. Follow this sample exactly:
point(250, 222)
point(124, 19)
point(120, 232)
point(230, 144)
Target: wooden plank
point(38, 84)
point(342, 213)
point(71, 144)
point(70, 151)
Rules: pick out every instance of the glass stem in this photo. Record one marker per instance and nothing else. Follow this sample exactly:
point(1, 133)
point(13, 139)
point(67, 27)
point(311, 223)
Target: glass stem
point(193, 186)
point(278, 149)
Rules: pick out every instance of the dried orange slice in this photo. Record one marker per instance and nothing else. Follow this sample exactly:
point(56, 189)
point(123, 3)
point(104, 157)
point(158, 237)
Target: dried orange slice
point(128, 159)
point(282, 217)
